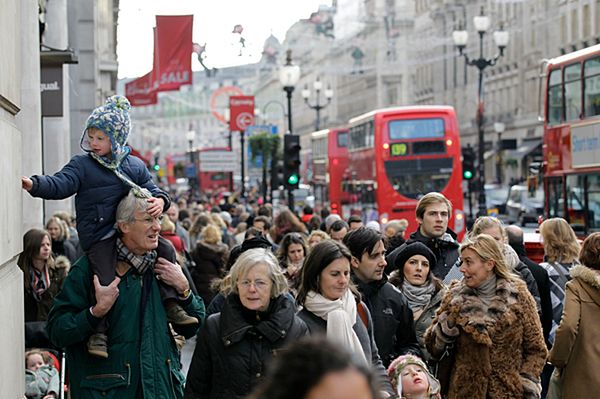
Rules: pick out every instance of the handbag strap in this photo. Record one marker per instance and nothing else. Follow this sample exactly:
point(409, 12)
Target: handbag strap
point(363, 314)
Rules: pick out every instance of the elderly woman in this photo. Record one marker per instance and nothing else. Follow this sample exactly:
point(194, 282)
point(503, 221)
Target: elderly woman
point(257, 320)
point(424, 291)
point(490, 324)
point(561, 250)
point(576, 350)
point(43, 276)
point(332, 306)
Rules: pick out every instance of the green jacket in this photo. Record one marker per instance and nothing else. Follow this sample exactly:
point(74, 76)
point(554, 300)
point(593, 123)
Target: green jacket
point(140, 350)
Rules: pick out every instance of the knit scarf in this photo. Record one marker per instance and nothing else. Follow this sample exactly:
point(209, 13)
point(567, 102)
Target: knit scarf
point(115, 166)
point(418, 296)
point(138, 262)
point(40, 282)
point(340, 316)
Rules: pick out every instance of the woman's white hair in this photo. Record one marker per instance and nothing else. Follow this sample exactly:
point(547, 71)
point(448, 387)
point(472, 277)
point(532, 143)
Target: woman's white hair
point(253, 257)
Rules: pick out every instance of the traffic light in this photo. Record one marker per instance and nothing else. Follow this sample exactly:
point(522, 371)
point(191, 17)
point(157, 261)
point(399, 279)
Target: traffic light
point(291, 161)
point(468, 163)
point(156, 165)
point(277, 175)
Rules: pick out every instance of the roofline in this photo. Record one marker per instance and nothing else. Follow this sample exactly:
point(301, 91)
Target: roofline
point(574, 55)
point(406, 109)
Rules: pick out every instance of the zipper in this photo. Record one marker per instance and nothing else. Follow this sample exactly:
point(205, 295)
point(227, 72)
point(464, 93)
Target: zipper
point(171, 378)
point(99, 376)
point(128, 373)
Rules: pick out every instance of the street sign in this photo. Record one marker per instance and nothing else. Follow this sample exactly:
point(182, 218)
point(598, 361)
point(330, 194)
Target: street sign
point(218, 161)
point(241, 112)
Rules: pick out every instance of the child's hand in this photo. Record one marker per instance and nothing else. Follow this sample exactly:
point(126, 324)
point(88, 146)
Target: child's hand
point(26, 183)
point(155, 206)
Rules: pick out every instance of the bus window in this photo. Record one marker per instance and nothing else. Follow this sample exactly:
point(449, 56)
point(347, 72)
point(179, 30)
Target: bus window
point(416, 128)
point(573, 92)
point(591, 95)
point(593, 202)
point(342, 139)
point(555, 198)
point(414, 178)
point(555, 97)
point(575, 203)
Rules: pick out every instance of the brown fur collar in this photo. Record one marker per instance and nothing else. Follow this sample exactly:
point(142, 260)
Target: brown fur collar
point(477, 320)
point(587, 275)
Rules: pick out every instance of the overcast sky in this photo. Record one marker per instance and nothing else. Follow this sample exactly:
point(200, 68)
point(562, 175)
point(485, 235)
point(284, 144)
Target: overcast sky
point(214, 21)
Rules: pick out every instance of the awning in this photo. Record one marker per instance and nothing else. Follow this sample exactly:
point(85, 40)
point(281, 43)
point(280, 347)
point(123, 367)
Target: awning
point(526, 148)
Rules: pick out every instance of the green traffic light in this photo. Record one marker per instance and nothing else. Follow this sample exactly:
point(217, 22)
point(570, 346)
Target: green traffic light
point(468, 175)
point(293, 179)
point(156, 167)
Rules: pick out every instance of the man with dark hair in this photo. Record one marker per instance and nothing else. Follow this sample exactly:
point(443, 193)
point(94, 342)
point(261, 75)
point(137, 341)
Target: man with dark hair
point(355, 222)
point(338, 230)
point(393, 320)
point(433, 213)
point(516, 241)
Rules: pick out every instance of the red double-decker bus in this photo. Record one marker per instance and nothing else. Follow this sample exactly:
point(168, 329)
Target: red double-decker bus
point(571, 169)
point(396, 155)
point(330, 161)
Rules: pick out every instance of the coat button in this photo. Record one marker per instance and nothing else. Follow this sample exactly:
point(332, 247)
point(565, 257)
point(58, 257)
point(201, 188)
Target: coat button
point(102, 219)
point(228, 342)
point(257, 375)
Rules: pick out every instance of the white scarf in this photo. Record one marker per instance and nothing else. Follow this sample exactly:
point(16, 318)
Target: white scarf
point(340, 316)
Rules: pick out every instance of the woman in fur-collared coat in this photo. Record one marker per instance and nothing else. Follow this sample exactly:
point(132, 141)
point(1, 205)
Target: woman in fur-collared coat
point(490, 319)
point(576, 350)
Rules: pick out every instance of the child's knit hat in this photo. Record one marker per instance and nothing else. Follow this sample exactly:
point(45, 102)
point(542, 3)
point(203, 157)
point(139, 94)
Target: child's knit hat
point(395, 372)
point(113, 119)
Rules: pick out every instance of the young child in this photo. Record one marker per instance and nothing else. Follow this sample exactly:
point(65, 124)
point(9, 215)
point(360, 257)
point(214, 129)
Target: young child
point(41, 379)
point(99, 180)
point(411, 378)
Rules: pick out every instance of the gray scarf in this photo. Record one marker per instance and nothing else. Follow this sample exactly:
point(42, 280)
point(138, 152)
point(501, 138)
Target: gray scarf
point(487, 290)
point(418, 296)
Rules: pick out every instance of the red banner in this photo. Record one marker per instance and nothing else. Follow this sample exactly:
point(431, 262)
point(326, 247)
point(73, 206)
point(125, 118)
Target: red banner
point(173, 51)
point(241, 112)
point(141, 91)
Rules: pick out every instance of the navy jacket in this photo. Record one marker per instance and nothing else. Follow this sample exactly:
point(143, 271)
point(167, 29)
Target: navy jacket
point(98, 190)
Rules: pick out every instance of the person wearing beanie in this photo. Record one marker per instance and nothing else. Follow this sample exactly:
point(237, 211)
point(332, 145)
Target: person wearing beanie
point(412, 380)
point(424, 292)
point(100, 179)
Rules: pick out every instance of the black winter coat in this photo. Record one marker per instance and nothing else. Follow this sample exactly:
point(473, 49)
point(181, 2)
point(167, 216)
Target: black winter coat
point(392, 319)
point(235, 346)
point(210, 265)
point(445, 250)
point(365, 335)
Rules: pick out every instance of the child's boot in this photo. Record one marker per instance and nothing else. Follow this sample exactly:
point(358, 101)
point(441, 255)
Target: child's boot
point(176, 315)
point(97, 345)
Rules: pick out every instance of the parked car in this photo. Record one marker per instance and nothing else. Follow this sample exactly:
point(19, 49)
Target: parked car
point(496, 196)
point(524, 206)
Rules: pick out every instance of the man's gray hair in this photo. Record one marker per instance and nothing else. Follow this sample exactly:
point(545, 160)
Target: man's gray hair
point(131, 204)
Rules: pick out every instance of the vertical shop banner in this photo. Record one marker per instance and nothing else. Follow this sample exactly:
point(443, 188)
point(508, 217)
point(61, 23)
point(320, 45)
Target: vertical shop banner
point(173, 68)
point(241, 112)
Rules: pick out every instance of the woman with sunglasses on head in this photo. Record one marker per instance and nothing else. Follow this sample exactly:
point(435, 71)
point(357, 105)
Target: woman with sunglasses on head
point(257, 320)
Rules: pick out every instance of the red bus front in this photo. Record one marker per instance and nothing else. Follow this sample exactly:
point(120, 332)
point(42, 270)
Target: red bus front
point(397, 155)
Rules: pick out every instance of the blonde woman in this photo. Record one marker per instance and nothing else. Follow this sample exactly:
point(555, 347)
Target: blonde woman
point(561, 251)
point(490, 323)
point(210, 256)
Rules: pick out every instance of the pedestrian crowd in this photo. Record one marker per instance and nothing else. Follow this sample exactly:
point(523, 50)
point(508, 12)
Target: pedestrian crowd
point(282, 306)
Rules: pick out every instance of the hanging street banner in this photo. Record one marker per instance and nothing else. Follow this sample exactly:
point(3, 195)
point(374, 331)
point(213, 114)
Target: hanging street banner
point(173, 51)
point(141, 91)
point(241, 112)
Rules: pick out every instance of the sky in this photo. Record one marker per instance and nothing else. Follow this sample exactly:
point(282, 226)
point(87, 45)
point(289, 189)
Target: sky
point(214, 21)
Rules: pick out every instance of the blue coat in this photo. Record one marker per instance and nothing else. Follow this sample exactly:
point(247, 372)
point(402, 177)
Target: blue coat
point(98, 192)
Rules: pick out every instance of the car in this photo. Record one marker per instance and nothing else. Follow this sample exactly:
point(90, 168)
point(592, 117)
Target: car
point(523, 205)
point(496, 196)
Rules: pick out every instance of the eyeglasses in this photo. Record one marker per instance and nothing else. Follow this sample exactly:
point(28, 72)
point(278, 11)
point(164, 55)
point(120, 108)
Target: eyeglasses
point(149, 220)
point(258, 284)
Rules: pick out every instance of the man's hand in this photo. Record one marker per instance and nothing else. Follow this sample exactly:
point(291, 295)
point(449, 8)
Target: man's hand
point(155, 206)
point(172, 275)
point(26, 183)
point(106, 296)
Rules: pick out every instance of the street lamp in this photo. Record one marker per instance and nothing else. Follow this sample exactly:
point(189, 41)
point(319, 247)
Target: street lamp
point(190, 135)
point(460, 37)
point(226, 115)
point(318, 86)
point(289, 75)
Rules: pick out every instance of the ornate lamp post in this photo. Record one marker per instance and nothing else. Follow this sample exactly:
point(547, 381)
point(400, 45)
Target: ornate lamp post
point(289, 75)
point(499, 129)
point(460, 37)
point(318, 86)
